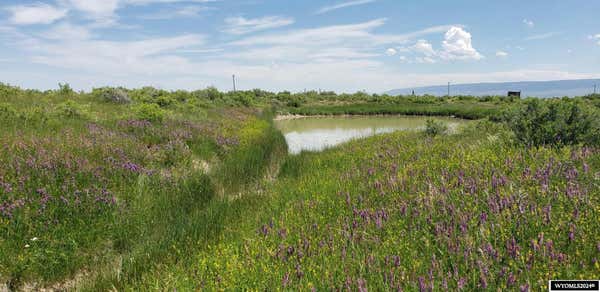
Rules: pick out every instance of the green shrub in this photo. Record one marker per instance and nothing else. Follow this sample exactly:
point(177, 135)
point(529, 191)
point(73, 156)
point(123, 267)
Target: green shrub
point(163, 100)
point(149, 111)
point(65, 90)
point(210, 93)
point(69, 109)
point(7, 112)
point(294, 103)
point(110, 94)
point(433, 127)
point(555, 122)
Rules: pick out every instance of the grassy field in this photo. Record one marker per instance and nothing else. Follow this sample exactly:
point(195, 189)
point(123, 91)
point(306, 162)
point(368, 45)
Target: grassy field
point(408, 211)
point(89, 185)
point(149, 189)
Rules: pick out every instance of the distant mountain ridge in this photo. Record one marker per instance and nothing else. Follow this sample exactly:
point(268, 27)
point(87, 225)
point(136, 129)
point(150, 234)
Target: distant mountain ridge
point(528, 88)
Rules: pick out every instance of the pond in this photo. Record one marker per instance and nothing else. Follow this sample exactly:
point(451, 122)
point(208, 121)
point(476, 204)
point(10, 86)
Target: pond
point(318, 133)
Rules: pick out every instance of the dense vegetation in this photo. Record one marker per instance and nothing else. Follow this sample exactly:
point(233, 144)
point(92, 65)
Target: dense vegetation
point(408, 211)
point(87, 180)
point(154, 189)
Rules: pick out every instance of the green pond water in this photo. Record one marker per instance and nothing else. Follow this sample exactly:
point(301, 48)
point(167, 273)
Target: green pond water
point(318, 133)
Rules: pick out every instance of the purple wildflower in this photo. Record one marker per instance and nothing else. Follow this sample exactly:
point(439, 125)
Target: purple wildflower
point(286, 280)
point(512, 248)
point(483, 218)
point(461, 283)
point(510, 281)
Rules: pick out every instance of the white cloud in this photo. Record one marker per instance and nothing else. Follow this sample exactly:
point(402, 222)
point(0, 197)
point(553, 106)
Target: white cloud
point(595, 38)
point(241, 25)
point(146, 2)
point(104, 12)
point(67, 31)
point(186, 11)
point(121, 58)
point(542, 36)
point(96, 8)
point(528, 22)
point(424, 47)
point(457, 45)
point(425, 60)
point(358, 34)
point(38, 13)
point(341, 5)
point(501, 54)
point(391, 52)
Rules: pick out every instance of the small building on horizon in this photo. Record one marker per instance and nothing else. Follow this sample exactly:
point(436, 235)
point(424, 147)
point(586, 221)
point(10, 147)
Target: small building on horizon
point(514, 94)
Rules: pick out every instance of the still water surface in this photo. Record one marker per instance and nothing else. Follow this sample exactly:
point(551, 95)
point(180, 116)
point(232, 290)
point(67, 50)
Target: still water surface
point(318, 133)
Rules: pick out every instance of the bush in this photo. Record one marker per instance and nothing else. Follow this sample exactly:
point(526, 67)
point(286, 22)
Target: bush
point(7, 112)
point(70, 109)
point(433, 127)
point(109, 94)
point(555, 122)
point(149, 111)
point(293, 103)
point(65, 90)
point(210, 93)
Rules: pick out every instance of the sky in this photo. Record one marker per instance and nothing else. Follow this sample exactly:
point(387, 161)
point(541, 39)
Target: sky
point(340, 45)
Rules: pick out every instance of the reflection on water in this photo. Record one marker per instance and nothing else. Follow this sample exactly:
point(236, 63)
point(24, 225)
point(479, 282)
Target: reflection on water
point(318, 133)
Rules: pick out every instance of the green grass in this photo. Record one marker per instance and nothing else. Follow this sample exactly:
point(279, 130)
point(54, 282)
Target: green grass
point(409, 211)
point(95, 190)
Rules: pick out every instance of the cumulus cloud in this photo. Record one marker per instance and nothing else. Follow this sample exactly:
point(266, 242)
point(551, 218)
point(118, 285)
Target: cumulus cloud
point(341, 5)
point(501, 54)
point(528, 22)
point(391, 52)
point(38, 13)
point(242, 25)
point(424, 47)
point(457, 45)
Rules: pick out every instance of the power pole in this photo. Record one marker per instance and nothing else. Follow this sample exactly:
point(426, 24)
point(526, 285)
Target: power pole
point(594, 88)
point(448, 89)
point(233, 82)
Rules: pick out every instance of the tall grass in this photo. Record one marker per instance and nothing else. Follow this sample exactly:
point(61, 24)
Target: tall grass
point(91, 189)
point(473, 211)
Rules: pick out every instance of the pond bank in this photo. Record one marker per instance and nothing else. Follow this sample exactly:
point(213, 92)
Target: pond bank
point(284, 117)
point(471, 111)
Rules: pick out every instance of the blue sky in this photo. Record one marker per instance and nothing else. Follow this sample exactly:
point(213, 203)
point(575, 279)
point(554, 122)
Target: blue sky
point(343, 45)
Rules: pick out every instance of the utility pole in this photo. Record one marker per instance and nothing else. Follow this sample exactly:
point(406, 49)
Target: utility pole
point(448, 89)
point(594, 88)
point(233, 82)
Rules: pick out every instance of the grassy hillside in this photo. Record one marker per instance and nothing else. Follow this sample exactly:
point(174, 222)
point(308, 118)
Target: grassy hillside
point(86, 182)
